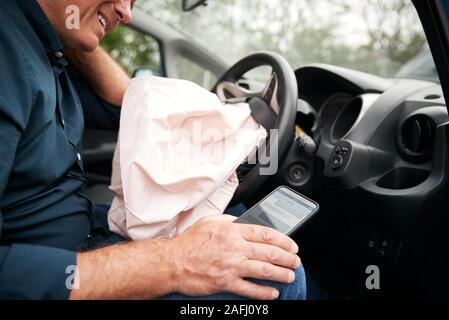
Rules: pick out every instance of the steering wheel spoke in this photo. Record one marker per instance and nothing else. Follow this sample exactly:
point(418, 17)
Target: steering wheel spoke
point(280, 93)
point(270, 92)
point(230, 92)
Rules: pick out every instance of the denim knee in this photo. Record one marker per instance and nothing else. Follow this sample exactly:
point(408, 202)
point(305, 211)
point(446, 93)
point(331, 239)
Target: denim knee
point(296, 290)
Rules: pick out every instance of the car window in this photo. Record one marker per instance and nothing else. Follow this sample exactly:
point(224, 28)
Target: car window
point(189, 70)
point(137, 53)
point(375, 36)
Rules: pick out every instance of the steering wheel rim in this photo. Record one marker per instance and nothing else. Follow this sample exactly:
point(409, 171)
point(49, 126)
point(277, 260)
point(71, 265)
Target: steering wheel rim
point(282, 93)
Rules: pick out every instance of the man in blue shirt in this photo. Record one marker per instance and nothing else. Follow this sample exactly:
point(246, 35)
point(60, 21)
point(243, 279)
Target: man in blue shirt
point(53, 80)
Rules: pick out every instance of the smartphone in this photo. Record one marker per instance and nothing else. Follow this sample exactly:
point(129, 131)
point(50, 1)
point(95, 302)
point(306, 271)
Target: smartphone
point(284, 210)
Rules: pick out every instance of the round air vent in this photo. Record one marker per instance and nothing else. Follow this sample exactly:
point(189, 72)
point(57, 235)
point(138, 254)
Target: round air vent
point(416, 137)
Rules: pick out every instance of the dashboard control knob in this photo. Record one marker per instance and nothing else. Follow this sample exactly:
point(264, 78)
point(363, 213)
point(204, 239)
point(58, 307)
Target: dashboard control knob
point(337, 162)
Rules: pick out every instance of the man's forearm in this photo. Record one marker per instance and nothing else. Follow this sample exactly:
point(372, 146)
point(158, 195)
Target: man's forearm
point(135, 270)
point(104, 74)
point(213, 255)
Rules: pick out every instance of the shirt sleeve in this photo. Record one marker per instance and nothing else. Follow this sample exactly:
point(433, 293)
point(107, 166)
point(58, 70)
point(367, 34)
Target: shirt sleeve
point(98, 114)
point(26, 271)
point(36, 272)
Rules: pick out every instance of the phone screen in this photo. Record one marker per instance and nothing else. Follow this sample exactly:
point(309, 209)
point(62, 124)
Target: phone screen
point(283, 210)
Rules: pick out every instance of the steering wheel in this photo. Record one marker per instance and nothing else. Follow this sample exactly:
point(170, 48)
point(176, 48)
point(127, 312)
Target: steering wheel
point(281, 94)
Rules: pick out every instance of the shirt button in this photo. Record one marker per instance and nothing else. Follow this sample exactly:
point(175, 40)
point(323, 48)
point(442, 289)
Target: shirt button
point(78, 156)
point(59, 54)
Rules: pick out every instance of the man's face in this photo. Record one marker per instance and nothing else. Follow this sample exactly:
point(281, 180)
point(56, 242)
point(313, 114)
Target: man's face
point(96, 17)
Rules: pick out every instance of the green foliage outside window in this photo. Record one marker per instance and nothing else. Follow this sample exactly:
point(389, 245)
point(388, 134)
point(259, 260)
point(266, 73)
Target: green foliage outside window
point(132, 49)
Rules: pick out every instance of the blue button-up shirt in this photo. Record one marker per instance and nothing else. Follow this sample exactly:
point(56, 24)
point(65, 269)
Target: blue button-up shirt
point(44, 215)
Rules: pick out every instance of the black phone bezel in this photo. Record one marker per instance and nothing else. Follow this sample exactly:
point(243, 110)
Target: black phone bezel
point(297, 226)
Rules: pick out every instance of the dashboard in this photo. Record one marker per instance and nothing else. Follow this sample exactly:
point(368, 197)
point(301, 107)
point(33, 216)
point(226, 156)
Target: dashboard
point(380, 164)
point(358, 119)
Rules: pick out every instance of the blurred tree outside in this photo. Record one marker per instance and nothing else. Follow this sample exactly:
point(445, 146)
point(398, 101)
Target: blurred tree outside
point(133, 49)
point(376, 36)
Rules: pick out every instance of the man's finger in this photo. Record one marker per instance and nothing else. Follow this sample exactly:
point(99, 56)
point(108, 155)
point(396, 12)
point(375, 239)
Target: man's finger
point(266, 271)
point(254, 291)
point(255, 233)
point(273, 255)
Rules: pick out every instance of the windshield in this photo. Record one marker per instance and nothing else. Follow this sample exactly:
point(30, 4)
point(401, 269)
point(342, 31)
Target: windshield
point(375, 36)
point(420, 67)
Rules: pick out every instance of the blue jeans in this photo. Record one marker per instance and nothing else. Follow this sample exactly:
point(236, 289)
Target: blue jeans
point(293, 291)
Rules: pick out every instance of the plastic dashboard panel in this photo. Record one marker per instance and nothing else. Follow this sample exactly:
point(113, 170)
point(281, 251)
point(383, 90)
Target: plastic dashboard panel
point(375, 192)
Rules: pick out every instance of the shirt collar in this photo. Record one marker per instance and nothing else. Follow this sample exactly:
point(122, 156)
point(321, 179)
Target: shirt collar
point(41, 25)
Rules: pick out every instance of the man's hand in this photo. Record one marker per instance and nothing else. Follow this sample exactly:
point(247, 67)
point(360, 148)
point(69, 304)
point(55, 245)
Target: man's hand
point(216, 255)
point(212, 256)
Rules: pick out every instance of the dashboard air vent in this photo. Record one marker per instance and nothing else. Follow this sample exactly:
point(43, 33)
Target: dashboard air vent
point(416, 138)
